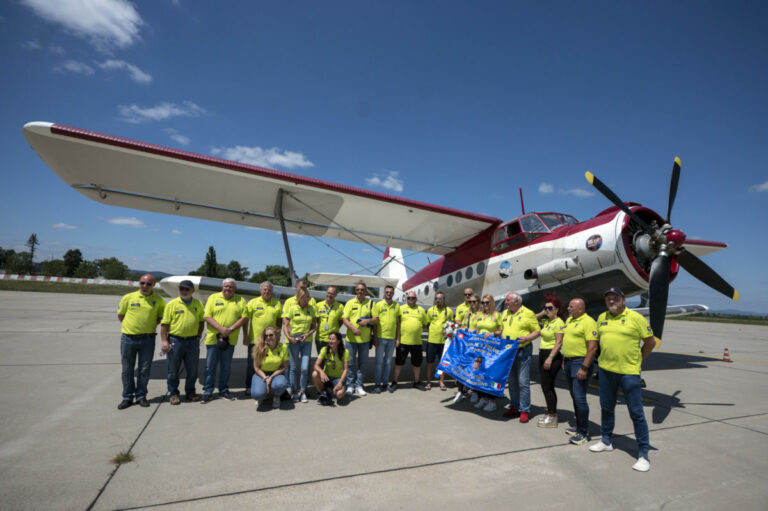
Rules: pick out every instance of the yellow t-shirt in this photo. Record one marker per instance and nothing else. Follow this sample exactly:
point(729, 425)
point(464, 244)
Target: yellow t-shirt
point(300, 319)
point(437, 319)
point(328, 319)
point(388, 314)
point(470, 320)
point(521, 323)
point(141, 313)
point(576, 333)
point(226, 313)
point(183, 320)
point(620, 338)
point(353, 311)
point(274, 359)
point(262, 314)
point(333, 367)
point(548, 331)
point(412, 322)
point(488, 324)
point(462, 311)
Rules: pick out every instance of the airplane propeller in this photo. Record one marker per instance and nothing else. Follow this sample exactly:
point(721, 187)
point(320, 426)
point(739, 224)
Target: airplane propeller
point(665, 245)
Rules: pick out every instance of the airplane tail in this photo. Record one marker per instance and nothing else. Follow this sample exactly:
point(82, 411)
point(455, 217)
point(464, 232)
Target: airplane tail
point(393, 267)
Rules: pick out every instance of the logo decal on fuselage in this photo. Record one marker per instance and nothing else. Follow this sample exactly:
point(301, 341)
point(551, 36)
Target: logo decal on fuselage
point(505, 269)
point(594, 242)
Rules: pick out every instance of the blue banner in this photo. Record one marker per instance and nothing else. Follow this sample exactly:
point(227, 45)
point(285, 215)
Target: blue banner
point(480, 363)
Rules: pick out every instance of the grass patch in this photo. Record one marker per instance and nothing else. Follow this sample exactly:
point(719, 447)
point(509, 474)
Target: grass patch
point(122, 457)
point(69, 287)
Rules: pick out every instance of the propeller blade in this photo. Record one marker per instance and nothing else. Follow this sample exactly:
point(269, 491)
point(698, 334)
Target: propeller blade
point(659, 292)
point(704, 273)
point(617, 202)
point(673, 186)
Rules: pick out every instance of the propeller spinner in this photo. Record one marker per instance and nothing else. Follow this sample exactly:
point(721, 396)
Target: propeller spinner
point(665, 245)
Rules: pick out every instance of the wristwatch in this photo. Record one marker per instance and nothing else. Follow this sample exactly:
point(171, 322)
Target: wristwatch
point(585, 368)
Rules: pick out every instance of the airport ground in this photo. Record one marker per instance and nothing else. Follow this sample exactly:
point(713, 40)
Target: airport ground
point(60, 375)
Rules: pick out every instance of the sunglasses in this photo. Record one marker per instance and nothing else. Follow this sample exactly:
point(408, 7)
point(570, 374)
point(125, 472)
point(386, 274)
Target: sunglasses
point(467, 294)
point(473, 301)
point(486, 303)
point(269, 335)
point(411, 298)
point(549, 307)
point(143, 283)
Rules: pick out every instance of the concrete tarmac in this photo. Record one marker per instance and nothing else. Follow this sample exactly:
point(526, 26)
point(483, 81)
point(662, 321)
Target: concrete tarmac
point(60, 375)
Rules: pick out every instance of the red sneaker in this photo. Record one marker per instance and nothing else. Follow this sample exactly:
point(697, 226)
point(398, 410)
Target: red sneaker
point(512, 412)
point(523, 417)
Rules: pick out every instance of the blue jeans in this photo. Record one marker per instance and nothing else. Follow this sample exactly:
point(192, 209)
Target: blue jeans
point(185, 350)
point(299, 352)
point(358, 359)
point(223, 359)
point(131, 347)
point(384, 352)
point(630, 385)
point(259, 388)
point(578, 389)
point(520, 380)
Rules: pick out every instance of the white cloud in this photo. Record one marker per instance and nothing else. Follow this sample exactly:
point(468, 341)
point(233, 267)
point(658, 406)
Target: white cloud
point(578, 192)
point(55, 48)
point(130, 221)
point(105, 23)
point(255, 155)
point(389, 181)
point(62, 225)
point(546, 188)
point(74, 66)
point(178, 137)
point(762, 187)
point(175, 231)
point(136, 114)
point(136, 74)
point(31, 45)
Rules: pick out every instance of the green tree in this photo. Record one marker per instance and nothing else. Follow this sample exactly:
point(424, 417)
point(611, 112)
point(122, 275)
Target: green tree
point(210, 267)
point(236, 271)
point(72, 259)
point(53, 268)
point(112, 268)
point(32, 243)
point(275, 273)
point(87, 270)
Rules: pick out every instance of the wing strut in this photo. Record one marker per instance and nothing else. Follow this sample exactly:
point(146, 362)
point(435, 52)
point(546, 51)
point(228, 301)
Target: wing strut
point(279, 215)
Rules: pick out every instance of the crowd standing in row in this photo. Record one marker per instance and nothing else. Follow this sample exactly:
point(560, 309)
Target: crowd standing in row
point(283, 369)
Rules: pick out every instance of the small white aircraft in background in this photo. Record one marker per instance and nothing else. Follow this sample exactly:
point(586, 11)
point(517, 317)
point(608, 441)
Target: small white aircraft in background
point(626, 245)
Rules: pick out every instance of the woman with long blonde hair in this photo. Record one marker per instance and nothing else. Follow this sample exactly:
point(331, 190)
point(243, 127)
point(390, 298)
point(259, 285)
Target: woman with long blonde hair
point(488, 324)
point(270, 361)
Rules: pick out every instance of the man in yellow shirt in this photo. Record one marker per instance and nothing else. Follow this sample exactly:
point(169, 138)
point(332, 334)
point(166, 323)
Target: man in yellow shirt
point(139, 312)
point(180, 332)
point(386, 313)
point(464, 307)
point(262, 311)
point(437, 315)
point(328, 313)
point(357, 318)
point(225, 313)
point(621, 331)
point(579, 349)
point(413, 319)
point(519, 322)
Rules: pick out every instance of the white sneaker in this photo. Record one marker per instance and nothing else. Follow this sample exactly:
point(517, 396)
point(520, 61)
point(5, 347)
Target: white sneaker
point(642, 465)
point(490, 407)
point(276, 403)
point(256, 403)
point(303, 397)
point(481, 403)
point(360, 391)
point(473, 398)
point(458, 397)
point(599, 446)
point(350, 390)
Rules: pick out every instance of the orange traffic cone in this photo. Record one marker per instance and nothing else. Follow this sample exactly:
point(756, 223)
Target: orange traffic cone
point(726, 356)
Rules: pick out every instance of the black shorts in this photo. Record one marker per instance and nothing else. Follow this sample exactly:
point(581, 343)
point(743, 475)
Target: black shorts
point(401, 353)
point(434, 351)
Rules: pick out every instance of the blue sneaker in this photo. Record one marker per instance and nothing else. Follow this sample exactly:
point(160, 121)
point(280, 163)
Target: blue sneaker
point(579, 439)
point(570, 431)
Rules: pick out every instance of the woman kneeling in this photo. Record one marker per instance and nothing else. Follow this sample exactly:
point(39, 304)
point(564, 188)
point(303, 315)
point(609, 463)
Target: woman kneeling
point(270, 361)
point(331, 370)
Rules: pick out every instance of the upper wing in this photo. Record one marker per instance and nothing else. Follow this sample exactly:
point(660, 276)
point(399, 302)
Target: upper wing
point(126, 173)
point(341, 279)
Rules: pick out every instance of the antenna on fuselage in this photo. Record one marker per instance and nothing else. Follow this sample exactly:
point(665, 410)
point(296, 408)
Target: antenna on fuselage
point(522, 204)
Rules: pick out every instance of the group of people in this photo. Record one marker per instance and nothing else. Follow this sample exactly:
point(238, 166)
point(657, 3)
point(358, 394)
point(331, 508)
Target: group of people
point(282, 369)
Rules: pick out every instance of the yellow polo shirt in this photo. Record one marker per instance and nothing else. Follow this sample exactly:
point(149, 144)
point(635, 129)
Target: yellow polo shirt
point(333, 367)
point(290, 301)
point(461, 312)
point(328, 319)
point(183, 320)
point(141, 313)
point(353, 311)
point(413, 319)
point(437, 319)
point(387, 314)
point(548, 331)
point(488, 324)
point(300, 319)
point(620, 338)
point(521, 323)
point(274, 359)
point(226, 313)
point(262, 314)
point(576, 333)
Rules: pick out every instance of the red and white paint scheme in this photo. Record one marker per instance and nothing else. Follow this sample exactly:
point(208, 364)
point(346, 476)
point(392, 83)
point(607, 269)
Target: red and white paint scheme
point(626, 245)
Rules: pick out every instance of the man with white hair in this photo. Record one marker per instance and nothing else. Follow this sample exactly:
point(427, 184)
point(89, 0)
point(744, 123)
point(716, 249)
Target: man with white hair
point(519, 322)
point(225, 313)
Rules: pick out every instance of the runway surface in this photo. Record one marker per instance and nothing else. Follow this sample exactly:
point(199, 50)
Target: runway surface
point(60, 376)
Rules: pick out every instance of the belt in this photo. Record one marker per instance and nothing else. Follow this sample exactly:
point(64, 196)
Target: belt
point(568, 359)
point(183, 338)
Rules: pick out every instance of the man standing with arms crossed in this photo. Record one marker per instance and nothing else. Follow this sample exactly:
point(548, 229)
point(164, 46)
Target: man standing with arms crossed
point(139, 312)
point(180, 332)
point(519, 322)
point(413, 319)
point(386, 313)
point(621, 331)
point(262, 311)
point(357, 318)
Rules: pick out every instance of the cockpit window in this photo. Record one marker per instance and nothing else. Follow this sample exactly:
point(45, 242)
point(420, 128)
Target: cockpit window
point(552, 220)
point(568, 219)
point(532, 223)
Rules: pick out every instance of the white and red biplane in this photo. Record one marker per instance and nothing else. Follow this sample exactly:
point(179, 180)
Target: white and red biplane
point(626, 245)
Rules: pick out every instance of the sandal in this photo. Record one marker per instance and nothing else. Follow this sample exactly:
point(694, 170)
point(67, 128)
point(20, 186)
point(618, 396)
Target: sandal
point(443, 387)
point(428, 386)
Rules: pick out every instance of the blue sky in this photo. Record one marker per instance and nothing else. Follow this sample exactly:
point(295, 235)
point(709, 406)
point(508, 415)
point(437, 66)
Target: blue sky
point(454, 103)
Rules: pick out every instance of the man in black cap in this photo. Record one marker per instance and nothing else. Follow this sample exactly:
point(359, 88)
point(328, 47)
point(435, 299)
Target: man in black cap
point(620, 332)
point(180, 331)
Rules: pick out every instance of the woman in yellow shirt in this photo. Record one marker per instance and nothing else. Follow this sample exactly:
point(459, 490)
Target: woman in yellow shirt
point(470, 318)
point(299, 324)
point(488, 324)
point(550, 358)
point(270, 361)
point(331, 369)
